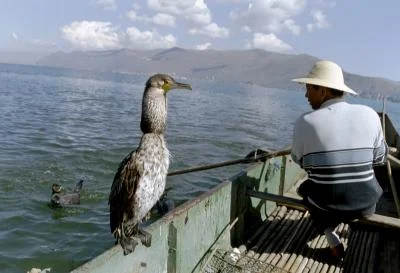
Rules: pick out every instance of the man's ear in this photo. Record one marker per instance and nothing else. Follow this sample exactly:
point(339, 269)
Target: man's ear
point(324, 91)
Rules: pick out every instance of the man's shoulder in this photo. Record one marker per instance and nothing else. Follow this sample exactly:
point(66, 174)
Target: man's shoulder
point(362, 107)
point(305, 120)
point(304, 117)
point(364, 111)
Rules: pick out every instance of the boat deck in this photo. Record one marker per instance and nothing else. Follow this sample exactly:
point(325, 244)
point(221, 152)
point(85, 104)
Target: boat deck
point(288, 242)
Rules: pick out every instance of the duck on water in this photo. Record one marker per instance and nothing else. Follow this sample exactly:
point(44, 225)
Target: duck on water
point(59, 197)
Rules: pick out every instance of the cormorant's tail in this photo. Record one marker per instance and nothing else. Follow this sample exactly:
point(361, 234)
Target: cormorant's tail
point(78, 186)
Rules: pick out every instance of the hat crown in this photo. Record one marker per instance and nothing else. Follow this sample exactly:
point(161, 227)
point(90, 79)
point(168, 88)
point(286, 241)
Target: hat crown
point(327, 71)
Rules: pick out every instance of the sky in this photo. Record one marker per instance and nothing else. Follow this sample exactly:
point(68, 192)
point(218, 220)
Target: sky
point(362, 36)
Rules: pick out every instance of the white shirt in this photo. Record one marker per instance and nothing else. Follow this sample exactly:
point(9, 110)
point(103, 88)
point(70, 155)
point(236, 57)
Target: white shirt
point(338, 126)
point(337, 145)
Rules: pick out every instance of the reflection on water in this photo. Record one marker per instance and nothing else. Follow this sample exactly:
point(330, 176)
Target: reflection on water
point(65, 211)
point(57, 126)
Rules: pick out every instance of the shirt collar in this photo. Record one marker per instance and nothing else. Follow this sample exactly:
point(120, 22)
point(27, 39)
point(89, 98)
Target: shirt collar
point(331, 101)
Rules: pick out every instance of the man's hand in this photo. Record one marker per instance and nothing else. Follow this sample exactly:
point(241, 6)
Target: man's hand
point(257, 155)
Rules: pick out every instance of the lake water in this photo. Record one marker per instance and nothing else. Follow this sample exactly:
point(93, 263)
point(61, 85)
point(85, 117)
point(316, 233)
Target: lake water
point(61, 125)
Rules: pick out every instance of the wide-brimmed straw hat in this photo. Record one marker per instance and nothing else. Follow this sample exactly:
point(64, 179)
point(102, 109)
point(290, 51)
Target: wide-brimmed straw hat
point(328, 74)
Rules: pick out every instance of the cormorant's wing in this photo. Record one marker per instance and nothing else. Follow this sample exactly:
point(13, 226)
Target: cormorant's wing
point(123, 190)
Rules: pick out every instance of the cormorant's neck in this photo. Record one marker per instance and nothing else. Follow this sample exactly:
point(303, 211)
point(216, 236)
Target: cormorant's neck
point(154, 112)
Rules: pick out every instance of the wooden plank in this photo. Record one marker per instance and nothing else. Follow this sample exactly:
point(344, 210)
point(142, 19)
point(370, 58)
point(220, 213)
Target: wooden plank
point(153, 259)
point(381, 221)
point(277, 198)
point(200, 227)
point(394, 160)
point(375, 219)
point(393, 187)
point(393, 151)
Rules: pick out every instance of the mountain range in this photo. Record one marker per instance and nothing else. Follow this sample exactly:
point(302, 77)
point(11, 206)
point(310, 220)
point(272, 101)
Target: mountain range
point(256, 66)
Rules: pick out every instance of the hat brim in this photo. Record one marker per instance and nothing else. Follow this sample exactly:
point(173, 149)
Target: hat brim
point(314, 81)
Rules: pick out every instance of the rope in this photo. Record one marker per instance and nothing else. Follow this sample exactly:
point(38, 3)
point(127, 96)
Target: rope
point(214, 247)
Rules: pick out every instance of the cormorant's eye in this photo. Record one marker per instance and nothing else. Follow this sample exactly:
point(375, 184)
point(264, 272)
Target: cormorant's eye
point(166, 85)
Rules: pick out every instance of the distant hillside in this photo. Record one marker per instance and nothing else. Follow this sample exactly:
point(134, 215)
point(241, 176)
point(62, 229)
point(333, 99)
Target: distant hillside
point(17, 57)
point(255, 66)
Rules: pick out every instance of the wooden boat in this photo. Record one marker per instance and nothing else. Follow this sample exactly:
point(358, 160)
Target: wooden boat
point(254, 222)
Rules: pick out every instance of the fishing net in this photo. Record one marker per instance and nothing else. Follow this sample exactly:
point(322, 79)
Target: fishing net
point(222, 262)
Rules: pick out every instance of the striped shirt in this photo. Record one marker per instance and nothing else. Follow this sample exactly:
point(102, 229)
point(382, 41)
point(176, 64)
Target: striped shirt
point(338, 145)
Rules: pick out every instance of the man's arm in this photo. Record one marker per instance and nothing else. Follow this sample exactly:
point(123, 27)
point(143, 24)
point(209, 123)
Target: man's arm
point(380, 147)
point(297, 146)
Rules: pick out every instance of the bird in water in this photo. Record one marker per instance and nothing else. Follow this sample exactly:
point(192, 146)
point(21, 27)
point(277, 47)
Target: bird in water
point(140, 179)
point(59, 197)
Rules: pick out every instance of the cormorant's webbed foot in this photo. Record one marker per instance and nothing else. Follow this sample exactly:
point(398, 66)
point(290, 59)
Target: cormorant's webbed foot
point(128, 244)
point(145, 237)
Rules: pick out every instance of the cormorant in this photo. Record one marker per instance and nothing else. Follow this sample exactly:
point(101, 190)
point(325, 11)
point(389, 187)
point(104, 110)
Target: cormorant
point(140, 179)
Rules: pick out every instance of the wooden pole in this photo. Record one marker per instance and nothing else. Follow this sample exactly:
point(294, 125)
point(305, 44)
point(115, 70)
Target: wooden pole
point(394, 160)
point(393, 186)
point(388, 164)
point(231, 162)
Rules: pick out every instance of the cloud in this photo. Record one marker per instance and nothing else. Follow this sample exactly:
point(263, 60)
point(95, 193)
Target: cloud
point(148, 39)
point(136, 6)
point(102, 35)
point(320, 21)
point(164, 19)
point(161, 19)
point(245, 29)
point(268, 42)
point(15, 36)
point(133, 16)
point(228, 1)
point(107, 4)
point(203, 46)
point(267, 15)
point(329, 4)
point(91, 35)
point(292, 26)
point(211, 30)
point(195, 11)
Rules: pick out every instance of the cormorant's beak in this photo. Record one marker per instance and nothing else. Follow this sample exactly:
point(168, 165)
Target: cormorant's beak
point(179, 85)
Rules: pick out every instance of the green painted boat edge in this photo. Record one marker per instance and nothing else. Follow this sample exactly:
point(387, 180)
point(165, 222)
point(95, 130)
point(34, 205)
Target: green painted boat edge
point(173, 234)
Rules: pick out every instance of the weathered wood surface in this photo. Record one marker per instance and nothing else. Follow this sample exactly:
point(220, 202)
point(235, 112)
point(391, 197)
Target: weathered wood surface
point(376, 219)
point(288, 242)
